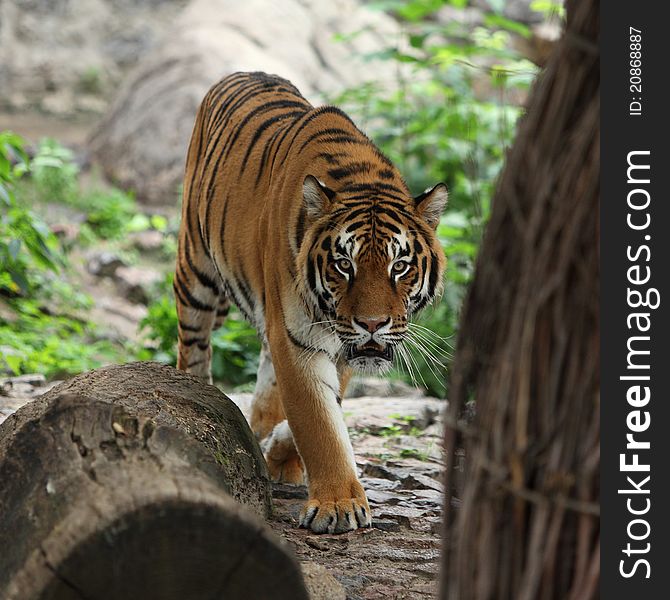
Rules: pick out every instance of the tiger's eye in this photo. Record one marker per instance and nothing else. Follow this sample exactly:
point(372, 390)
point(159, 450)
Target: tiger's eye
point(344, 264)
point(400, 266)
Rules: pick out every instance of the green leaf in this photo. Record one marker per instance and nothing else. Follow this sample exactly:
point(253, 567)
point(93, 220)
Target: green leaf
point(497, 20)
point(159, 222)
point(418, 9)
point(139, 222)
point(417, 40)
point(52, 162)
point(4, 195)
point(548, 7)
point(14, 362)
point(4, 167)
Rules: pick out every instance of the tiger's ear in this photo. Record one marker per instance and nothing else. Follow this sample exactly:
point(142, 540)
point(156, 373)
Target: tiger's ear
point(316, 197)
point(431, 203)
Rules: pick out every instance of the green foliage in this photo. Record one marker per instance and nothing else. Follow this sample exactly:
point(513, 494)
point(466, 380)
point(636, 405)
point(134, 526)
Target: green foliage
point(414, 453)
point(52, 344)
point(235, 352)
point(26, 244)
point(43, 325)
point(451, 119)
point(54, 172)
point(160, 326)
point(110, 213)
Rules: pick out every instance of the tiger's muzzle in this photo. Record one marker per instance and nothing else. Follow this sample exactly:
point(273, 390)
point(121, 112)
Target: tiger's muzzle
point(371, 347)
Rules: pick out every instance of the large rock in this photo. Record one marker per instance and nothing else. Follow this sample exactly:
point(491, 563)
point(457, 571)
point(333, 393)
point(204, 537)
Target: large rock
point(65, 56)
point(141, 144)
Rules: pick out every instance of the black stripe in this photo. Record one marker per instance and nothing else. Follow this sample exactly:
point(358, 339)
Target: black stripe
point(231, 293)
point(191, 341)
point(294, 341)
point(222, 230)
point(343, 139)
point(421, 304)
point(432, 280)
point(246, 291)
point(270, 144)
point(187, 298)
point(391, 227)
point(319, 264)
point(300, 228)
point(307, 114)
point(185, 327)
point(259, 132)
point(312, 115)
point(367, 208)
point(239, 97)
point(233, 80)
point(322, 132)
point(259, 110)
point(203, 278)
point(356, 225)
point(350, 170)
point(331, 157)
point(379, 208)
point(372, 187)
point(311, 275)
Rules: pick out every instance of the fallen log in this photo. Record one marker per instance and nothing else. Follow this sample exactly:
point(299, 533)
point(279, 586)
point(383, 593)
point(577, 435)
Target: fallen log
point(129, 482)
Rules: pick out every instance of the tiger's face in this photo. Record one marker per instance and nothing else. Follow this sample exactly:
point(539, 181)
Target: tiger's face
point(370, 266)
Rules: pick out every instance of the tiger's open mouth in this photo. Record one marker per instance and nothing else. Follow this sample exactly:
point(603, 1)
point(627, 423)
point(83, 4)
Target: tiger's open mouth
point(370, 350)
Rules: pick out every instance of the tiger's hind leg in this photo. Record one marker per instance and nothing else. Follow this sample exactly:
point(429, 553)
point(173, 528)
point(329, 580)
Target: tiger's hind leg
point(268, 422)
point(200, 305)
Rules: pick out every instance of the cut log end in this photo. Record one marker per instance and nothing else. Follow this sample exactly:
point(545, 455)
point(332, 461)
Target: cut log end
point(122, 483)
point(167, 549)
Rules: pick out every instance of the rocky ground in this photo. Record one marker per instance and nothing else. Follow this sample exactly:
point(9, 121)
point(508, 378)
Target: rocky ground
point(396, 434)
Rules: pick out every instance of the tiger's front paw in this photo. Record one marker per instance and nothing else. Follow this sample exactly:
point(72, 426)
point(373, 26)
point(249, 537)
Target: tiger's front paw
point(337, 512)
point(281, 456)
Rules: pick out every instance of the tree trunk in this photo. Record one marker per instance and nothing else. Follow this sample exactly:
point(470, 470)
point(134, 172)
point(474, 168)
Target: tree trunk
point(121, 483)
point(528, 354)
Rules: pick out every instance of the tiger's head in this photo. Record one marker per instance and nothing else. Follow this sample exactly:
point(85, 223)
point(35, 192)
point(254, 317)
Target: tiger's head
point(369, 259)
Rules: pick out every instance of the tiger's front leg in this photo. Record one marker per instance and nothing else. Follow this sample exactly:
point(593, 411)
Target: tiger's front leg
point(309, 391)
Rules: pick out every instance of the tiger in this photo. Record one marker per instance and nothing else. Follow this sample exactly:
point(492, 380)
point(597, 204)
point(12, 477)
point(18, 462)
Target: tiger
point(294, 216)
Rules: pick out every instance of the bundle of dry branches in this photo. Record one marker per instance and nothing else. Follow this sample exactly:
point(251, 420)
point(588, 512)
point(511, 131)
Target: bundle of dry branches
point(528, 353)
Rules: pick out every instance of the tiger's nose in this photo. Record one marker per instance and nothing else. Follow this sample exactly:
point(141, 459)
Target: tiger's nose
point(372, 324)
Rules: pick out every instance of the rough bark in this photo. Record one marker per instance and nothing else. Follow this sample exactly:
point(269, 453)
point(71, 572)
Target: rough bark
point(528, 354)
point(122, 483)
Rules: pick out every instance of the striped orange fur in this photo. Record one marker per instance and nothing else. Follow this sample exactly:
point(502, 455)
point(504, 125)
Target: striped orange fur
point(293, 215)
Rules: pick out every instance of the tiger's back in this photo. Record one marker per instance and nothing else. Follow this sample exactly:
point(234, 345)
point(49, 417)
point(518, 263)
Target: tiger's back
point(224, 191)
point(291, 213)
